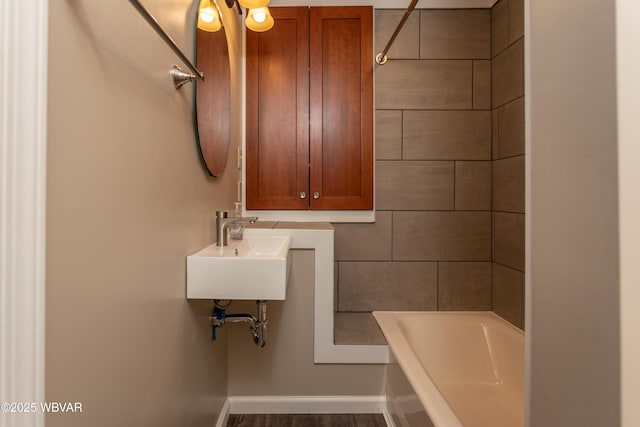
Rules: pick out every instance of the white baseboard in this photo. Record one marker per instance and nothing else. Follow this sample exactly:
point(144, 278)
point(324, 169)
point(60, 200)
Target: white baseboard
point(224, 414)
point(307, 404)
point(388, 418)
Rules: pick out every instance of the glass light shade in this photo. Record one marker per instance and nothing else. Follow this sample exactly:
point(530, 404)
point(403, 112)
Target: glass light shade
point(253, 4)
point(208, 18)
point(259, 19)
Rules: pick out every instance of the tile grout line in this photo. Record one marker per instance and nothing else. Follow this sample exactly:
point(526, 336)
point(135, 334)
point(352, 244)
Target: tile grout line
point(507, 266)
point(438, 286)
point(420, 34)
point(492, 156)
point(472, 83)
point(492, 159)
point(401, 134)
point(455, 164)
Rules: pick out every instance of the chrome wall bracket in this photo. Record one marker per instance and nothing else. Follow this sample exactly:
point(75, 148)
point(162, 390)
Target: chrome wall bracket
point(381, 59)
point(180, 77)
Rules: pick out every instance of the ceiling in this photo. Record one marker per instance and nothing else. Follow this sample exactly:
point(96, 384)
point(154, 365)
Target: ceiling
point(391, 4)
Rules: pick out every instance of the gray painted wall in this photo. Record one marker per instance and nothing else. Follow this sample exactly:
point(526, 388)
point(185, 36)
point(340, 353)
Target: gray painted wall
point(575, 344)
point(127, 201)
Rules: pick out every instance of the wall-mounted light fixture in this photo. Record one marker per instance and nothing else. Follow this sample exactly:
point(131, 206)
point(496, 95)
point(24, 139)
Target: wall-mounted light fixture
point(209, 16)
point(259, 18)
point(251, 4)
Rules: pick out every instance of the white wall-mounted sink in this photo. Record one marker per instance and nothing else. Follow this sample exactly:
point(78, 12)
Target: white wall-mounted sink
point(256, 267)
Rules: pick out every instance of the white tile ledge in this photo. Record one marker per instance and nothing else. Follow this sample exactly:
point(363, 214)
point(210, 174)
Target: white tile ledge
point(319, 237)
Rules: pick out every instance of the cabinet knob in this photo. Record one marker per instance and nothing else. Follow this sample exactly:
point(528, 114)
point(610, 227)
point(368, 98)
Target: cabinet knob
point(303, 195)
point(316, 195)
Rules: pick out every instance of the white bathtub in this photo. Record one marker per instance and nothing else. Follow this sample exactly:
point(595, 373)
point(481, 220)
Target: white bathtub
point(454, 369)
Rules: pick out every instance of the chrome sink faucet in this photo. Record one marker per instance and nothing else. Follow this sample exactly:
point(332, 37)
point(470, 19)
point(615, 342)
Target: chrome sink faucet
point(222, 224)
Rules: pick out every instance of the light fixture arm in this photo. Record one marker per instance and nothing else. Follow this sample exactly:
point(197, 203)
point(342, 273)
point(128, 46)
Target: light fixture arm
point(255, 7)
point(230, 4)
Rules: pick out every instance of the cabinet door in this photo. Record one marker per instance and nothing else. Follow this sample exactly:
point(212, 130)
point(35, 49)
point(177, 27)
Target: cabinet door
point(277, 150)
point(341, 108)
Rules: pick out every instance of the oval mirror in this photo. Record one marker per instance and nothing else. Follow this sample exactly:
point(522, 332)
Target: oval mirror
point(213, 97)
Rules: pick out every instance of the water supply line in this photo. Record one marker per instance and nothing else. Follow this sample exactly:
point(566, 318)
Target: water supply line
point(257, 326)
point(381, 58)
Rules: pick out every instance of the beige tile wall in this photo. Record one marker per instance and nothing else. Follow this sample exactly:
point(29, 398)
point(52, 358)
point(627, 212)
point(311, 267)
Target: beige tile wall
point(449, 231)
point(368, 286)
point(507, 75)
point(455, 34)
point(464, 286)
point(442, 236)
point(446, 135)
point(431, 245)
point(424, 84)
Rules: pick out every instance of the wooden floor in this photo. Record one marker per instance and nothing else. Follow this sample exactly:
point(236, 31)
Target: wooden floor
point(320, 420)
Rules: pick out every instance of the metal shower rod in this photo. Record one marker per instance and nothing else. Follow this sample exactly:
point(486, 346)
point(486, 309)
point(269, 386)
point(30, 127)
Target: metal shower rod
point(381, 58)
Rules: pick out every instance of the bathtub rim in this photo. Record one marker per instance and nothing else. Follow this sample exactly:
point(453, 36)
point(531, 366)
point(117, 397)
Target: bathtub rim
point(436, 406)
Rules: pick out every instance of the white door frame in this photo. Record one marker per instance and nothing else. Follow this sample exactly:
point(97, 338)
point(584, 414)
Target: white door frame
point(628, 93)
point(23, 138)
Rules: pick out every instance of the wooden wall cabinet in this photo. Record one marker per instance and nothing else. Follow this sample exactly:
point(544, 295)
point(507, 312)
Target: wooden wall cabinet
point(310, 110)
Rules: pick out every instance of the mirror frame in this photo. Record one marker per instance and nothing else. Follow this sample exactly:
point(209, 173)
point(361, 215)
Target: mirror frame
point(213, 98)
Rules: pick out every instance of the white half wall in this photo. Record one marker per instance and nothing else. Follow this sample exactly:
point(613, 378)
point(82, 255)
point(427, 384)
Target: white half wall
point(300, 358)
